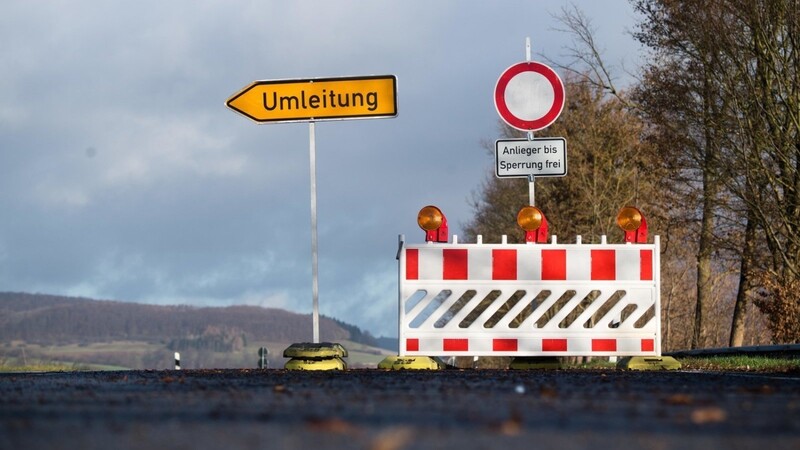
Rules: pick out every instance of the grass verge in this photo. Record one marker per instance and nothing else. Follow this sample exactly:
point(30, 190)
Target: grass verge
point(741, 363)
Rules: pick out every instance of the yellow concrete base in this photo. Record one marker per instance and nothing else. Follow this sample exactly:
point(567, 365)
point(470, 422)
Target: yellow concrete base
point(411, 363)
point(315, 364)
point(321, 350)
point(320, 356)
point(648, 363)
point(535, 362)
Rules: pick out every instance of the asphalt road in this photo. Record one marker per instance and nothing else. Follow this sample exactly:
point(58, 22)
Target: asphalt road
point(371, 409)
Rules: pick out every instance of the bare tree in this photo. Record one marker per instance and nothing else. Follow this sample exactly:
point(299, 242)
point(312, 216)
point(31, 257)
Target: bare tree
point(686, 107)
point(760, 50)
point(724, 73)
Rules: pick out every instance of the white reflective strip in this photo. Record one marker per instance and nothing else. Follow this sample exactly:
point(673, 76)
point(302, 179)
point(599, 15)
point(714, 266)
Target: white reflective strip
point(430, 345)
point(529, 345)
point(579, 345)
point(479, 264)
point(529, 263)
point(629, 345)
point(579, 264)
point(434, 346)
point(480, 345)
point(629, 265)
point(431, 263)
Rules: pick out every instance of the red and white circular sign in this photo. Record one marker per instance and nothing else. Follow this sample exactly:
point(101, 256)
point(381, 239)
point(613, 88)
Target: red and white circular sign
point(529, 96)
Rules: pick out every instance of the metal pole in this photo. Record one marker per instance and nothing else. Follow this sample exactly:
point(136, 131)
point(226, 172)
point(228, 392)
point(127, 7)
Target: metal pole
point(401, 259)
point(532, 189)
point(312, 150)
point(531, 178)
point(527, 49)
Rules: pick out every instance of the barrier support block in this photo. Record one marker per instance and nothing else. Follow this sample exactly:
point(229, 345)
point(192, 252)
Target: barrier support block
point(319, 356)
point(411, 363)
point(648, 363)
point(315, 364)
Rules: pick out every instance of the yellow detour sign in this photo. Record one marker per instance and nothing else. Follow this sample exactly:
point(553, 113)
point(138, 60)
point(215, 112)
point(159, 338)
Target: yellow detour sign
point(317, 99)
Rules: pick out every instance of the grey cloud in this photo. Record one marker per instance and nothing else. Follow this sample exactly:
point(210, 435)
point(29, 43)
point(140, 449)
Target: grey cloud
point(123, 175)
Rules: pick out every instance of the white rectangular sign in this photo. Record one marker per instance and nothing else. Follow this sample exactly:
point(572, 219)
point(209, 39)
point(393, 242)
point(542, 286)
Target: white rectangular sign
point(540, 157)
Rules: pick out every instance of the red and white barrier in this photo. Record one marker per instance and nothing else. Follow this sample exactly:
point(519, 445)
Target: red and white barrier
point(529, 299)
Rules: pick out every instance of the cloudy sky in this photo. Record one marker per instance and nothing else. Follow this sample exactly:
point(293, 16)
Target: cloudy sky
point(123, 176)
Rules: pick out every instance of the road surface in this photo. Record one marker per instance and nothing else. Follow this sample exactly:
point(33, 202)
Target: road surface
point(381, 410)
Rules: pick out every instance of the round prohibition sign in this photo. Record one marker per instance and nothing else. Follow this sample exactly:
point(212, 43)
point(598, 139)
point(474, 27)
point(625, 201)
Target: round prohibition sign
point(529, 96)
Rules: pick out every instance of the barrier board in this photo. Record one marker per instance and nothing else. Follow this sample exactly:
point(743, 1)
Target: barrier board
point(529, 299)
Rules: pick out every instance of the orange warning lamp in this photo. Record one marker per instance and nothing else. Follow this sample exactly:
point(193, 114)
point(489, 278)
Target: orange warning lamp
point(532, 220)
point(434, 223)
point(633, 224)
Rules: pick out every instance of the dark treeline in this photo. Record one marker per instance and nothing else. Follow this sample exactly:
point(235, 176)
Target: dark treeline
point(357, 334)
point(50, 320)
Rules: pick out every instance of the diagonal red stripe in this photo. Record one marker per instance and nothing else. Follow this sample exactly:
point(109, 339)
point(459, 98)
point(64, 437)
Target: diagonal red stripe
point(554, 264)
point(554, 345)
point(455, 264)
point(504, 345)
point(604, 265)
point(412, 264)
point(455, 345)
point(646, 264)
point(504, 264)
point(604, 345)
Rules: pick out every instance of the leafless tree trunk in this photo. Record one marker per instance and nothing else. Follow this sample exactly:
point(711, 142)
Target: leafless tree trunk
point(742, 296)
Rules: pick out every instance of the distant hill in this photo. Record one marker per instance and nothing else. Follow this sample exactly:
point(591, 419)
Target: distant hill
point(389, 343)
point(42, 322)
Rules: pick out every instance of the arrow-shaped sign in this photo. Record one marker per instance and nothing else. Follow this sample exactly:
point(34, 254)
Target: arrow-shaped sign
point(317, 99)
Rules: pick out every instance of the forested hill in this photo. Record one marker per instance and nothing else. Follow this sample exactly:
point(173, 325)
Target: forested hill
point(56, 320)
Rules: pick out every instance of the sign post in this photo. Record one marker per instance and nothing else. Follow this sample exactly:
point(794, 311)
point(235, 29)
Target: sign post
point(312, 158)
point(529, 96)
point(310, 100)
